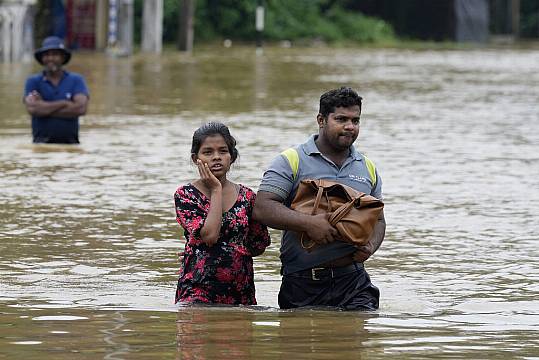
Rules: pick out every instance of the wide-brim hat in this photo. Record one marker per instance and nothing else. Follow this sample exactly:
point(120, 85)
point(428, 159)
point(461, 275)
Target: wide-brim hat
point(52, 43)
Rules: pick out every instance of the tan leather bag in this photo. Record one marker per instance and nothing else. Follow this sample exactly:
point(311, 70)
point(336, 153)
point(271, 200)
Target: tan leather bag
point(352, 213)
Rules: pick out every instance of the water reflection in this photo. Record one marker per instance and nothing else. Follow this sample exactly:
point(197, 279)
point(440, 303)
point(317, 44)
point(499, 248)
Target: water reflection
point(207, 334)
point(243, 333)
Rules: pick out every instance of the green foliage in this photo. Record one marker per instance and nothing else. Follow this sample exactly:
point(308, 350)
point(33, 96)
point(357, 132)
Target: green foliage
point(529, 18)
point(284, 20)
point(302, 19)
point(216, 19)
point(43, 20)
point(360, 28)
point(137, 10)
point(290, 20)
point(171, 15)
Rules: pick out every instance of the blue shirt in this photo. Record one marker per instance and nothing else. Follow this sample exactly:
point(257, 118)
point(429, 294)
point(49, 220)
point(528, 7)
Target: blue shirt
point(55, 129)
point(279, 179)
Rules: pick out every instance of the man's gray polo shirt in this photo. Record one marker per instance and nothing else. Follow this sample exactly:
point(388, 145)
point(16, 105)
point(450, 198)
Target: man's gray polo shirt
point(279, 179)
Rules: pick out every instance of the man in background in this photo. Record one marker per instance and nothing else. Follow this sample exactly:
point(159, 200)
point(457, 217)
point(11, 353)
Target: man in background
point(55, 97)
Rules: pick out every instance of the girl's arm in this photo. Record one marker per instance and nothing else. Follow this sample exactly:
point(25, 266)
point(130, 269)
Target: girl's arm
point(212, 226)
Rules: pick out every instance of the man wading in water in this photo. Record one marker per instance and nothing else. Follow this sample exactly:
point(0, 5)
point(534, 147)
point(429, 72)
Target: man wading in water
point(55, 98)
point(333, 273)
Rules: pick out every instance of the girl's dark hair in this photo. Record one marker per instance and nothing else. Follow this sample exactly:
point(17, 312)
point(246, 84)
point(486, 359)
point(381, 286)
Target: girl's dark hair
point(210, 129)
point(343, 97)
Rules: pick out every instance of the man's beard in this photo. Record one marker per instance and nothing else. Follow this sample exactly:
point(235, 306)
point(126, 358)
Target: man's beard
point(52, 68)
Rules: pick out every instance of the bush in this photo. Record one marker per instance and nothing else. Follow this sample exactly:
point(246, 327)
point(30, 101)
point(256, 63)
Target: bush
point(284, 20)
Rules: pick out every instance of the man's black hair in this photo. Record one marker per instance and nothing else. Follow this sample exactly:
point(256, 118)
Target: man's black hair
point(342, 97)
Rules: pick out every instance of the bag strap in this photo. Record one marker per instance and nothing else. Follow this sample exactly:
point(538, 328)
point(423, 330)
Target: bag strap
point(318, 198)
point(315, 208)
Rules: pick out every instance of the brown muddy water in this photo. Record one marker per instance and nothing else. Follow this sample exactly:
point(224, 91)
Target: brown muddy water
point(88, 238)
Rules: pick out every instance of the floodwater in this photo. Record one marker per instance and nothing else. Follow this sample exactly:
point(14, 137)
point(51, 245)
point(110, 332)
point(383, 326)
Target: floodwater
point(88, 237)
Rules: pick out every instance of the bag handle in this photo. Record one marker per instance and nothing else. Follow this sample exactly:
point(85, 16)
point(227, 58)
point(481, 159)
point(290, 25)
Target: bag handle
point(318, 198)
point(343, 210)
point(330, 208)
point(319, 194)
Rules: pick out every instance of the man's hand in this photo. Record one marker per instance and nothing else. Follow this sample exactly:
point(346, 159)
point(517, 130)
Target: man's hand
point(270, 210)
point(320, 230)
point(362, 253)
point(36, 106)
point(33, 97)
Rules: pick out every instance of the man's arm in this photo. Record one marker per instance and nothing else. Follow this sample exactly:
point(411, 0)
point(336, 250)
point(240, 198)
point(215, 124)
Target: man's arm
point(364, 252)
point(270, 210)
point(36, 106)
point(74, 108)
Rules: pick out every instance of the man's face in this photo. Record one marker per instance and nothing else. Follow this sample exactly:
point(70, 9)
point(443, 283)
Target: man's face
point(341, 128)
point(53, 60)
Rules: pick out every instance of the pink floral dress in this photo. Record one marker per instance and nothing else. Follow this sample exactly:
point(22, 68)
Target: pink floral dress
point(222, 273)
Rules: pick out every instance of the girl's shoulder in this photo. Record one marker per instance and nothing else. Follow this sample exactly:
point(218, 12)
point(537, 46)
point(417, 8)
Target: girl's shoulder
point(184, 187)
point(186, 191)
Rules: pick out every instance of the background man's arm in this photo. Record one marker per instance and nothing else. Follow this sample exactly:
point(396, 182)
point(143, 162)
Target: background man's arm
point(270, 210)
point(36, 106)
point(75, 108)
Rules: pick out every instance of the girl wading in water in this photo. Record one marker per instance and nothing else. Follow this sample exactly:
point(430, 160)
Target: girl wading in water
point(222, 237)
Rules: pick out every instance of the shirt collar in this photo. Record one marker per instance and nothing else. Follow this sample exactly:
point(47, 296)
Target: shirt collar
point(310, 148)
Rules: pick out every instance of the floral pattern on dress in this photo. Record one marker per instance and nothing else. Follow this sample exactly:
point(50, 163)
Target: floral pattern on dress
point(222, 273)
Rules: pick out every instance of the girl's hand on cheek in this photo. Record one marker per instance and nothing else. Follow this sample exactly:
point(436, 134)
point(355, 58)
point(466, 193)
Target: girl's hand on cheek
point(206, 176)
